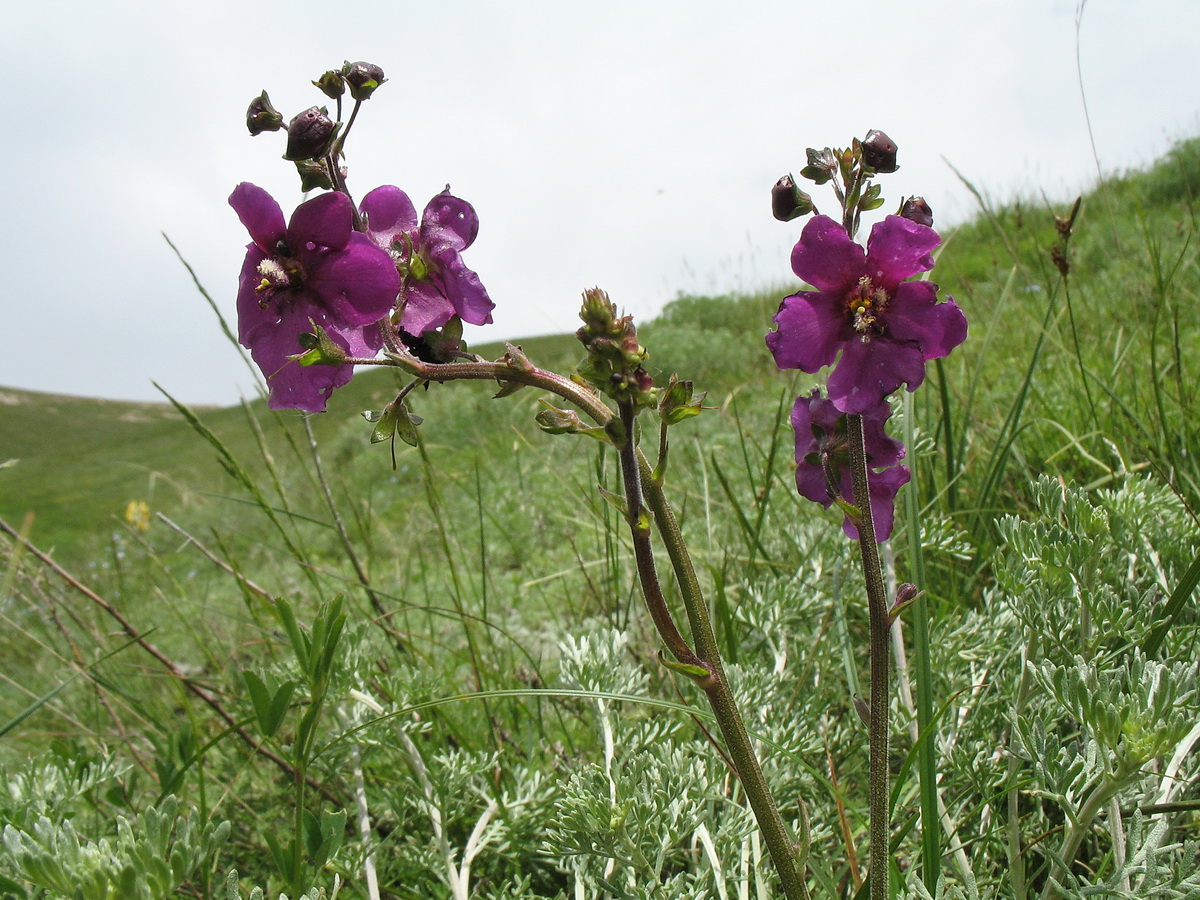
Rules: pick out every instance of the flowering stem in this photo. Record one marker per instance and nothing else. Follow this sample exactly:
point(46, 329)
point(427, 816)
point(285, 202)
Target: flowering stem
point(339, 184)
point(637, 476)
point(880, 827)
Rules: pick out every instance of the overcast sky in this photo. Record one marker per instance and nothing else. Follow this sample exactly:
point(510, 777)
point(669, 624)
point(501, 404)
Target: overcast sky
point(626, 144)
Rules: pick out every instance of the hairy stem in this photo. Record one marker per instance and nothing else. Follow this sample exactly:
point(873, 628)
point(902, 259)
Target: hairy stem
point(643, 552)
point(880, 827)
point(721, 699)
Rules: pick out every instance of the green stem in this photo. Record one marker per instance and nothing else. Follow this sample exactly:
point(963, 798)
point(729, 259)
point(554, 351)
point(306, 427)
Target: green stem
point(721, 699)
point(1081, 828)
point(643, 552)
point(637, 476)
point(880, 826)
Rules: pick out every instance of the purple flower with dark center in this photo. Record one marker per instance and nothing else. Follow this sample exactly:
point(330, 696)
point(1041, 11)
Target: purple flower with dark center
point(316, 268)
point(884, 327)
point(823, 460)
point(437, 285)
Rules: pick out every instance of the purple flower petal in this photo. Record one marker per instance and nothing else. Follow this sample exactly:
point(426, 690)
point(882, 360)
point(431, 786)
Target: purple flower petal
point(425, 308)
point(439, 284)
point(883, 450)
point(260, 214)
point(870, 370)
point(915, 317)
point(825, 257)
point(812, 328)
point(323, 273)
point(250, 313)
point(899, 248)
point(821, 435)
point(291, 385)
point(449, 220)
point(464, 289)
point(358, 285)
point(326, 221)
point(882, 488)
point(876, 328)
point(389, 213)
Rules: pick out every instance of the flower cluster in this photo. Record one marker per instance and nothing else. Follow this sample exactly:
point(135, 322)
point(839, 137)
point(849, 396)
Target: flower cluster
point(342, 282)
point(871, 323)
point(315, 272)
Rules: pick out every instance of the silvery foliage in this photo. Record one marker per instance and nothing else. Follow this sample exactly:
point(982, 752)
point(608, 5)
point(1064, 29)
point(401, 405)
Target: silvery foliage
point(659, 815)
point(147, 859)
point(1098, 729)
point(50, 790)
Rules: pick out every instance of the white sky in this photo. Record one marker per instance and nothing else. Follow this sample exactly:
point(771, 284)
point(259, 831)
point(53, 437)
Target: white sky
point(626, 144)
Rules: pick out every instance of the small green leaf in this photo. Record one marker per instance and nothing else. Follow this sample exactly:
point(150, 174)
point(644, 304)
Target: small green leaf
point(507, 389)
point(260, 697)
point(406, 425)
point(319, 349)
point(815, 174)
point(385, 425)
point(279, 707)
point(616, 501)
point(691, 671)
point(299, 641)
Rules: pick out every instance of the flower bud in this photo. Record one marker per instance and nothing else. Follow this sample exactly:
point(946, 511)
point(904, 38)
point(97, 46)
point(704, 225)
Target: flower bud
point(879, 152)
point(331, 84)
point(678, 402)
point(262, 116)
point(917, 210)
point(363, 78)
point(553, 420)
point(614, 356)
point(906, 596)
point(788, 201)
point(599, 314)
point(309, 134)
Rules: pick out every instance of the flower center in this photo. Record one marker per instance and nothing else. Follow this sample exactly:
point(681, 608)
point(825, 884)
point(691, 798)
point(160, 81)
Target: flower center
point(865, 302)
point(279, 273)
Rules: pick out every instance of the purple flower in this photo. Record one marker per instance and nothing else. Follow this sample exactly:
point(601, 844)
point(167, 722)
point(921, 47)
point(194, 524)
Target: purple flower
point(823, 460)
point(884, 326)
point(316, 268)
point(437, 284)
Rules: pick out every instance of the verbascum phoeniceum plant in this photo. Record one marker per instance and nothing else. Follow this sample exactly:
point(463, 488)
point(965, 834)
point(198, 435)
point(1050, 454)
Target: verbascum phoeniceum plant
point(343, 284)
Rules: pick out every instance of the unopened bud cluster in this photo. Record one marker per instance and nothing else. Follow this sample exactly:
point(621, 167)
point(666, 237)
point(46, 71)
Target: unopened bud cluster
point(614, 357)
point(314, 137)
point(850, 171)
